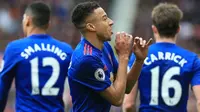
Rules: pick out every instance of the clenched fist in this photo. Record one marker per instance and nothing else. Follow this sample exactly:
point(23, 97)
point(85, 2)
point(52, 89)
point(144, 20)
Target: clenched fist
point(123, 44)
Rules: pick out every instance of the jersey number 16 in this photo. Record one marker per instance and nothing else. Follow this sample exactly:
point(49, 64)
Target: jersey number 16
point(166, 83)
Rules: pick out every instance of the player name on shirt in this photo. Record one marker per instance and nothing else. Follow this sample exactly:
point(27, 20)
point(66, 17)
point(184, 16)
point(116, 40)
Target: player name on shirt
point(165, 56)
point(43, 47)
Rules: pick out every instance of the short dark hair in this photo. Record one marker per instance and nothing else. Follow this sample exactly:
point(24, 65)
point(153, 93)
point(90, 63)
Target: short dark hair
point(82, 11)
point(40, 13)
point(166, 17)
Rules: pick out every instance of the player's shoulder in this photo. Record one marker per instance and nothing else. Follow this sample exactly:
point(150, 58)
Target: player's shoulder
point(14, 48)
point(86, 48)
point(15, 44)
point(171, 47)
point(63, 45)
point(89, 59)
point(17, 41)
point(81, 57)
point(85, 51)
point(186, 52)
point(84, 61)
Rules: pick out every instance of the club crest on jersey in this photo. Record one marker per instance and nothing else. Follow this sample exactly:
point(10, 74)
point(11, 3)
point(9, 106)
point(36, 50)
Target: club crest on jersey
point(99, 74)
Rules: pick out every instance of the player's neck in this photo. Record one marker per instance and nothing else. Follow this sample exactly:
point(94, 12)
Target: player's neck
point(33, 31)
point(168, 40)
point(92, 38)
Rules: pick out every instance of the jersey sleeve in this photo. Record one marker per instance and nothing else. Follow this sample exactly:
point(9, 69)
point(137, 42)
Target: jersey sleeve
point(7, 72)
point(92, 74)
point(196, 72)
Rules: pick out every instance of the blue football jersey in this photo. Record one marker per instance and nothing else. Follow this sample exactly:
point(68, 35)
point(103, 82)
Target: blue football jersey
point(91, 71)
point(39, 64)
point(167, 73)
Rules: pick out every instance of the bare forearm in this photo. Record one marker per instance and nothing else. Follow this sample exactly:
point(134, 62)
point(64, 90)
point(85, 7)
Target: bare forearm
point(133, 75)
point(121, 78)
point(198, 106)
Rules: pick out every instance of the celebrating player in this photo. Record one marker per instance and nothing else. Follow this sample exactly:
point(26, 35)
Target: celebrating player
point(38, 63)
point(168, 69)
point(96, 80)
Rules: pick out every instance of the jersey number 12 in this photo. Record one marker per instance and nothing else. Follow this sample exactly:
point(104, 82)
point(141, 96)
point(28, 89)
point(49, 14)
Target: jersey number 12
point(166, 84)
point(48, 89)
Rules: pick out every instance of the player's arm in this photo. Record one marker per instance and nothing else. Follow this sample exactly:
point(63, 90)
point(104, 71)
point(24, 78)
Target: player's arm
point(133, 75)
point(140, 50)
point(115, 93)
point(6, 75)
point(129, 104)
point(196, 81)
point(93, 76)
point(196, 90)
point(191, 106)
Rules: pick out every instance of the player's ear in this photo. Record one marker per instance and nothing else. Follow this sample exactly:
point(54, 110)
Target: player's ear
point(90, 27)
point(28, 21)
point(154, 29)
point(25, 20)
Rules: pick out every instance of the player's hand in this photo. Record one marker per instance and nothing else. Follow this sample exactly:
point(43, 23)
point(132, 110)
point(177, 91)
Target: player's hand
point(123, 44)
point(140, 48)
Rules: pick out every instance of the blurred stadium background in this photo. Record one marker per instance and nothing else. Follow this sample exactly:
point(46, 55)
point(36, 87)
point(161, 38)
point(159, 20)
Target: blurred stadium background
point(132, 16)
